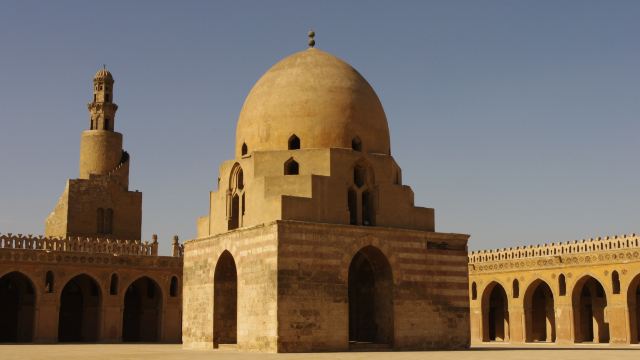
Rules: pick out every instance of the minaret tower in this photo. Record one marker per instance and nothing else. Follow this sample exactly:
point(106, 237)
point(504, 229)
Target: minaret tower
point(100, 146)
point(99, 203)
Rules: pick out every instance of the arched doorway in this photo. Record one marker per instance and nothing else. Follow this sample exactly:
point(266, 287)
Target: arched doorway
point(589, 301)
point(17, 308)
point(142, 311)
point(370, 298)
point(539, 313)
point(79, 317)
point(633, 302)
point(225, 301)
point(495, 314)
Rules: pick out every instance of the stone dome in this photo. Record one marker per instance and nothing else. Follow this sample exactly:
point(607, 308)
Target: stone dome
point(103, 74)
point(319, 98)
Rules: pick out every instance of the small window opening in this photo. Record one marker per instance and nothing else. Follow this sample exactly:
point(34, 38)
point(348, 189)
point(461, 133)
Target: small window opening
point(352, 199)
point(240, 180)
point(173, 288)
point(562, 285)
point(95, 97)
point(113, 286)
point(474, 291)
point(244, 149)
point(368, 215)
point(516, 288)
point(234, 219)
point(100, 221)
point(356, 144)
point(615, 282)
point(359, 176)
point(291, 167)
point(294, 142)
point(107, 123)
point(48, 283)
point(242, 204)
point(108, 221)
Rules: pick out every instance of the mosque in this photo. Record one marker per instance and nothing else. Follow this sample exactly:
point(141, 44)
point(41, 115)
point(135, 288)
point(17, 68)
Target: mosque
point(311, 243)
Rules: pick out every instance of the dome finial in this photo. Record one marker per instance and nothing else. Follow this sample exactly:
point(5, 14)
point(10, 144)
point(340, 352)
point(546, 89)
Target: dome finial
point(312, 41)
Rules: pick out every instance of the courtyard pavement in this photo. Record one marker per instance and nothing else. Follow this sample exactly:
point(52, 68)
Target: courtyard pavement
point(175, 352)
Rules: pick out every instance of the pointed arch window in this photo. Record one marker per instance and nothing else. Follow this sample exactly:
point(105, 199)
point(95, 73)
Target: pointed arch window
point(48, 282)
point(244, 149)
point(291, 167)
point(562, 285)
point(235, 198)
point(356, 144)
point(474, 291)
point(173, 287)
point(361, 196)
point(615, 282)
point(294, 142)
point(516, 288)
point(113, 285)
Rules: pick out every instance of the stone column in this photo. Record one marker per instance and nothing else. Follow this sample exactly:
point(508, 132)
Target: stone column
point(564, 320)
point(46, 318)
point(516, 323)
point(475, 321)
point(617, 315)
point(111, 320)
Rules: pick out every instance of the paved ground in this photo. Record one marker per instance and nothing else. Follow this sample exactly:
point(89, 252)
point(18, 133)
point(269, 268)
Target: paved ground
point(175, 352)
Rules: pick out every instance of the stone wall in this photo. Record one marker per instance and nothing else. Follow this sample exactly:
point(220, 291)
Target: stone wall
point(254, 251)
point(293, 284)
point(430, 304)
point(592, 292)
point(47, 265)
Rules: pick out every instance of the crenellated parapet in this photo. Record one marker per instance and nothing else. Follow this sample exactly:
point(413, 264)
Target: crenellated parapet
point(617, 247)
point(85, 245)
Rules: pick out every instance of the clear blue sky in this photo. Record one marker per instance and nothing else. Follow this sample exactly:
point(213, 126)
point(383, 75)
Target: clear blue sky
point(518, 121)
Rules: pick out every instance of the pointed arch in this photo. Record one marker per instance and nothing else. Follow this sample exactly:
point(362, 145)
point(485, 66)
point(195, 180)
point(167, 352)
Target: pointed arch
point(291, 167)
point(474, 291)
point(17, 307)
point(244, 150)
point(516, 289)
point(495, 313)
point(235, 193)
point(589, 301)
point(141, 318)
point(294, 142)
point(225, 301)
point(370, 285)
point(80, 310)
point(540, 320)
point(633, 303)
